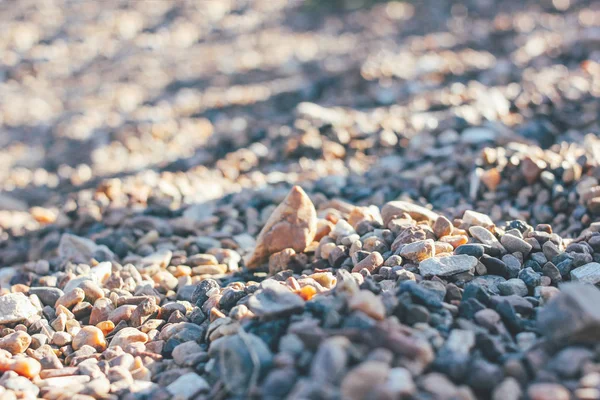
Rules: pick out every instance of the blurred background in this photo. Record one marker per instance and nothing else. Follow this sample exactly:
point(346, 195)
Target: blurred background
point(158, 104)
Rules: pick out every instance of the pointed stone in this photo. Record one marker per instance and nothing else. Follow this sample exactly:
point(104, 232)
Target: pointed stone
point(293, 224)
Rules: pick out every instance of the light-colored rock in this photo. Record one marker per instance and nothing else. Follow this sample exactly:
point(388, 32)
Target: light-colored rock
point(368, 303)
point(486, 237)
point(396, 208)
point(476, 218)
point(15, 307)
point(79, 249)
point(187, 386)
point(477, 134)
point(418, 251)
point(588, 273)
point(364, 379)
point(447, 266)
point(293, 224)
point(127, 336)
point(514, 244)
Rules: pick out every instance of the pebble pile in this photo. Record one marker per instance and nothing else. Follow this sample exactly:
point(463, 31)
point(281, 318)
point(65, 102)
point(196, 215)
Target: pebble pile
point(387, 219)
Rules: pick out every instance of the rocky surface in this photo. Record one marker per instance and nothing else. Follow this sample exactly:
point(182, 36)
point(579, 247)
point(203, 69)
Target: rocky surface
point(275, 199)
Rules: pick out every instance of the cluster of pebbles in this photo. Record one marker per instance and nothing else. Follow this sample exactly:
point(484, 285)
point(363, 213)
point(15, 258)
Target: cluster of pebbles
point(266, 200)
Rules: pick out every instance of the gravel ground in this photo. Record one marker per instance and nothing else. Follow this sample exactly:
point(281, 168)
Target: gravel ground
point(303, 200)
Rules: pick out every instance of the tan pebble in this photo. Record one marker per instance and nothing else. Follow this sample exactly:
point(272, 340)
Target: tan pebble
point(293, 224)
point(126, 336)
point(368, 303)
point(418, 251)
point(491, 179)
point(363, 379)
point(61, 338)
point(280, 261)
point(325, 249)
point(442, 226)
point(64, 310)
point(122, 313)
point(71, 298)
point(182, 270)
point(92, 291)
point(325, 279)
point(370, 262)
point(101, 310)
point(91, 336)
point(455, 240)
point(548, 391)
point(16, 342)
point(324, 227)
point(210, 269)
point(106, 327)
point(27, 367)
point(442, 247)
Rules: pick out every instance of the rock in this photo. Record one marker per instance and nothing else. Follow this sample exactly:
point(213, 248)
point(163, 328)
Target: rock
point(274, 300)
point(442, 226)
point(475, 250)
point(508, 389)
point(240, 360)
point(588, 273)
point(572, 315)
point(486, 237)
point(514, 244)
point(188, 386)
point(47, 295)
point(368, 303)
point(330, 361)
point(89, 336)
point(447, 266)
point(15, 307)
point(364, 379)
point(293, 224)
point(513, 286)
point(204, 290)
point(127, 336)
point(418, 251)
point(16, 342)
point(370, 262)
point(279, 261)
point(396, 208)
point(81, 250)
point(475, 218)
point(399, 384)
point(547, 391)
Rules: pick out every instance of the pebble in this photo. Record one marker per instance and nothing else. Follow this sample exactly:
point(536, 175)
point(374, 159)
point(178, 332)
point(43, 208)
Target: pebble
point(368, 303)
point(293, 224)
point(588, 273)
point(447, 266)
point(15, 307)
point(274, 300)
point(513, 286)
point(547, 391)
point(188, 386)
point(362, 381)
point(89, 336)
point(418, 251)
point(370, 262)
point(127, 336)
point(514, 244)
point(16, 342)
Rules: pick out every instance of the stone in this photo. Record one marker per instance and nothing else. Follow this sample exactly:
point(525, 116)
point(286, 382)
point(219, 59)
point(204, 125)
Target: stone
point(16, 342)
point(205, 289)
point(280, 261)
point(15, 307)
point(89, 336)
point(475, 250)
point(514, 244)
point(513, 286)
point(240, 359)
point(572, 315)
point(508, 389)
point(547, 391)
point(188, 386)
point(475, 218)
point(418, 251)
point(394, 209)
point(293, 224)
point(127, 336)
point(368, 303)
point(47, 295)
point(370, 262)
point(447, 266)
point(274, 300)
point(80, 250)
point(486, 237)
point(364, 379)
point(442, 226)
point(330, 361)
point(477, 135)
point(399, 383)
point(588, 273)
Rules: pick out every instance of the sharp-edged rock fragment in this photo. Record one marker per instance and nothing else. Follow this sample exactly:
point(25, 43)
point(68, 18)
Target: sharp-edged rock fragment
point(293, 224)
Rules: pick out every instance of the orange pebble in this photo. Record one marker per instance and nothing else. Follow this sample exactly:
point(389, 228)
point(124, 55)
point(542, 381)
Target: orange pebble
point(307, 292)
point(106, 327)
point(455, 240)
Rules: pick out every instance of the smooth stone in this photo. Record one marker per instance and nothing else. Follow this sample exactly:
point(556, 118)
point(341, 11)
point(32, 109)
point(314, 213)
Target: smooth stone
point(395, 208)
point(187, 386)
point(274, 300)
point(486, 237)
point(513, 286)
point(475, 250)
point(47, 295)
point(514, 244)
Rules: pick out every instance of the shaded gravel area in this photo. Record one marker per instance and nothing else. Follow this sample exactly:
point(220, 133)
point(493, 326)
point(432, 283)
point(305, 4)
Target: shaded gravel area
point(273, 199)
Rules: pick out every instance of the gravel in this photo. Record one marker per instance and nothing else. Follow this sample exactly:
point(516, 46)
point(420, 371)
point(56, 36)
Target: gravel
point(274, 199)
